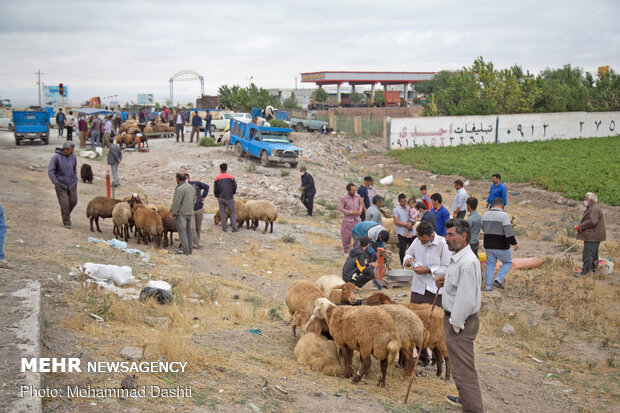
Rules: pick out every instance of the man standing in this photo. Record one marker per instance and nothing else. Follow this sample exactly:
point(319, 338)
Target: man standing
point(426, 215)
point(307, 185)
point(498, 237)
point(95, 131)
point(179, 124)
point(498, 190)
point(60, 121)
point(182, 209)
point(355, 268)
point(69, 126)
point(115, 156)
point(475, 224)
point(63, 174)
point(402, 222)
point(372, 192)
point(225, 187)
point(118, 119)
point(591, 230)
point(460, 199)
point(3, 261)
point(202, 190)
point(351, 207)
point(441, 214)
point(461, 303)
point(363, 193)
point(429, 256)
point(107, 130)
point(196, 122)
point(83, 129)
point(208, 120)
point(374, 212)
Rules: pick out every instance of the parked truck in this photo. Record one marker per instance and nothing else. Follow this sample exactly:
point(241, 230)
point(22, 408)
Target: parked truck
point(266, 143)
point(310, 122)
point(31, 125)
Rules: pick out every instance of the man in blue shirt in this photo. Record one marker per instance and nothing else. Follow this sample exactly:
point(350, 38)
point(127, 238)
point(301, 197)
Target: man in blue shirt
point(363, 193)
point(441, 213)
point(208, 120)
point(202, 190)
point(377, 234)
point(196, 123)
point(498, 190)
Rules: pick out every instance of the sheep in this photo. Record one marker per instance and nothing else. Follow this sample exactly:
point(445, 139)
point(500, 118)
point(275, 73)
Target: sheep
point(301, 294)
point(435, 335)
point(100, 207)
point(336, 290)
point(376, 298)
point(148, 224)
point(120, 141)
point(129, 140)
point(121, 215)
point(410, 332)
point(170, 226)
point(262, 210)
point(319, 354)
point(370, 330)
point(86, 173)
point(299, 319)
point(241, 214)
point(163, 211)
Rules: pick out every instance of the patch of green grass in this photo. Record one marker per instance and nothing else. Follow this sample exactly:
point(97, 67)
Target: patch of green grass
point(251, 168)
point(284, 172)
point(573, 166)
point(98, 302)
point(274, 314)
point(207, 142)
point(288, 238)
point(271, 406)
point(329, 205)
point(319, 260)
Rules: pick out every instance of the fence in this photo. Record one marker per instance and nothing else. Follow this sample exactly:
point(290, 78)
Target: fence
point(362, 126)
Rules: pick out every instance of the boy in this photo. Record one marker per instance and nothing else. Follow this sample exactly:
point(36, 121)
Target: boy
point(424, 197)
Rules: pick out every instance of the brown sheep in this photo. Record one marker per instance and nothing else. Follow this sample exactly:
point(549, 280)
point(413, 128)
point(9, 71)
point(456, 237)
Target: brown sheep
point(301, 294)
point(344, 294)
point(163, 211)
point(100, 207)
point(377, 298)
point(121, 215)
point(148, 224)
point(262, 210)
point(241, 214)
point(435, 335)
point(299, 319)
point(369, 330)
point(410, 332)
point(129, 140)
point(170, 226)
point(327, 282)
point(319, 354)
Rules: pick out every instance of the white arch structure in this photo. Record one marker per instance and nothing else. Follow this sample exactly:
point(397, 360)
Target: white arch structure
point(192, 76)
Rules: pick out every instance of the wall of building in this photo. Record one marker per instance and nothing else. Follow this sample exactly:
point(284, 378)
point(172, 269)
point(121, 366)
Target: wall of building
point(375, 112)
point(468, 130)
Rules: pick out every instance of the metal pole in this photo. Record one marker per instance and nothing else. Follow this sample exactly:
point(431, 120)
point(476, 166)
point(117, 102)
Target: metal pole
point(39, 84)
point(171, 94)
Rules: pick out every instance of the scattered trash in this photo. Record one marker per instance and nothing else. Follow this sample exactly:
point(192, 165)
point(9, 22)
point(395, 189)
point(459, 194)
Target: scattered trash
point(386, 180)
point(217, 304)
point(254, 331)
point(121, 245)
point(508, 329)
point(99, 150)
point(21, 241)
point(162, 285)
point(606, 266)
point(96, 317)
point(106, 274)
point(536, 360)
point(159, 295)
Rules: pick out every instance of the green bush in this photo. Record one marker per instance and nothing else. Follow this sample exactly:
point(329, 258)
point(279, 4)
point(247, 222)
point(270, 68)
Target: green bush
point(204, 141)
point(278, 123)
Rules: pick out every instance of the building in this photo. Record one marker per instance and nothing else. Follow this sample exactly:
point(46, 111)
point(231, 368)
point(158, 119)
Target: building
point(303, 96)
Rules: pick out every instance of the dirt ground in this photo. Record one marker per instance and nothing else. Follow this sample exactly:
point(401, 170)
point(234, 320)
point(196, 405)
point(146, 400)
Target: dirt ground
point(237, 282)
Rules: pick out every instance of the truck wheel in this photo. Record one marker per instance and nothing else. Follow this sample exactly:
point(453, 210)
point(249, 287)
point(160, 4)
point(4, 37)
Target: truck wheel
point(264, 159)
point(18, 142)
point(46, 141)
point(299, 127)
point(293, 164)
point(239, 150)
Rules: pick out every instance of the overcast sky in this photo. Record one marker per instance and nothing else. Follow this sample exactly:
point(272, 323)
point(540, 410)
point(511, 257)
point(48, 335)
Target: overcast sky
point(102, 48)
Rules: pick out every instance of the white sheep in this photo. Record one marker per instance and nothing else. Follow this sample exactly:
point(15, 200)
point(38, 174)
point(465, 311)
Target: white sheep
point(336, 290)
point(367, 329)
point(262, 210)
point(121, 215)
point(319, 354)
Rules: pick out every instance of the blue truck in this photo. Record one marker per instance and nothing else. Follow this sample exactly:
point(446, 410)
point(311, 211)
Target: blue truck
point(31, 125)
point(266, 143)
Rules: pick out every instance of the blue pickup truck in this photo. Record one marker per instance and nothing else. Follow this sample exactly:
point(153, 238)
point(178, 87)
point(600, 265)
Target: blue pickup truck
point(31, 125)
point(268, 144)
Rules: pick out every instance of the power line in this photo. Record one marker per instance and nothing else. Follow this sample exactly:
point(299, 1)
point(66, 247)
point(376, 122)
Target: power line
point(165, 79)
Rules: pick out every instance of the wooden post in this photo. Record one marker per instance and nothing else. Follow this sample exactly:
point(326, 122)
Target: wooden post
point(385, 130)
point(356, 125)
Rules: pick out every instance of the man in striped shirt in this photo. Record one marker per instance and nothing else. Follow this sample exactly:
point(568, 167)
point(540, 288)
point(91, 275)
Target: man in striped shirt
point(498, 237)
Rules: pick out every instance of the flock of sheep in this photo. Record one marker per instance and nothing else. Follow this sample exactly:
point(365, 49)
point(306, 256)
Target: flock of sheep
point(129, 131)
point(153, 223)
point(334, 324)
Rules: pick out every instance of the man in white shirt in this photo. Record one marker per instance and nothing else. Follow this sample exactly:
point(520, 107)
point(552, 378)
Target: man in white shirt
point(460, 199)
point(429, 256)
point(461, 303)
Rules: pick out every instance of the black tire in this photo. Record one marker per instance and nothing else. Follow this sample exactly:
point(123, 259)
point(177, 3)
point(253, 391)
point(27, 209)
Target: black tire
point(293, 164)
point(264, 159)
point(46, 141)
point(239, 150)
point(18, 142)
point(299, 127)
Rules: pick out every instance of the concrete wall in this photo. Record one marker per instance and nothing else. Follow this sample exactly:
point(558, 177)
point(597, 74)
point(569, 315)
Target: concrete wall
point(468, 130)
point(407, 112)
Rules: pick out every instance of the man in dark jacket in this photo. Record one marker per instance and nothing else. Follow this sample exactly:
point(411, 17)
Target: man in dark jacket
point(355, 268)
point(63, 174)
point(196, 123)
point(202, 190)
point(363, 192)
point(224, 189)
point(179, 122)
point(208, 120)
point(182, 209)
point(60, 121)
point(115, 156)
point(307, 185)
point(591, 230)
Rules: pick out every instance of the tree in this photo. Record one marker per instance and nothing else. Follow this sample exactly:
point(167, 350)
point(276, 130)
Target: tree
point(355, 98)
point(606, 93)
point(379, 98)
point(319, 95)
point(157, 106)
point(244, 99)
point(291, 102)
point(190, 105)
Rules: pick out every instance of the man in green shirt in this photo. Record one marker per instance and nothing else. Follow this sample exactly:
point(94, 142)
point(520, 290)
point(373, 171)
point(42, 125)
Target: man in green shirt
point(182, 209)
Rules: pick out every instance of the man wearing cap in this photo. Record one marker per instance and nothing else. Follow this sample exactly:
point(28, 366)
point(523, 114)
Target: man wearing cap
point(62, 171)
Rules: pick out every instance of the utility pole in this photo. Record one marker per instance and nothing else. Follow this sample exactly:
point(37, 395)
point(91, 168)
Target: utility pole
point(39, 84)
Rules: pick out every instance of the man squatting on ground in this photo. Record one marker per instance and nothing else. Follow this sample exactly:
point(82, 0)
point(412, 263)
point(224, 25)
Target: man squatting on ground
point(378, 237)
point(356, 269)
point(461, 303)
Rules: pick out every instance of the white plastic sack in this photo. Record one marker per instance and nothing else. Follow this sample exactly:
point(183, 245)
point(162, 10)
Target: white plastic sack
point(99, 150)
point(387, 180)
point(109, 273)
point(162, 285)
